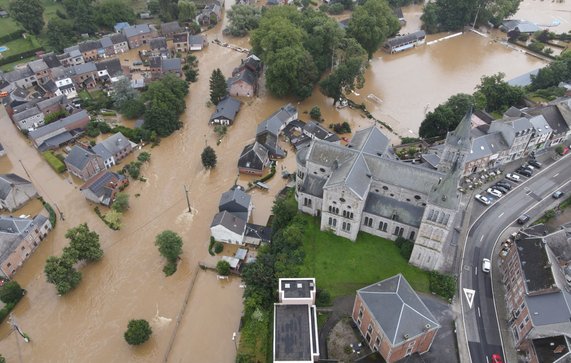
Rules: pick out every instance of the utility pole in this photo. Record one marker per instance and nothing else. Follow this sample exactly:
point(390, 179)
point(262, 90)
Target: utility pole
point(476, 18)
point(187, 200)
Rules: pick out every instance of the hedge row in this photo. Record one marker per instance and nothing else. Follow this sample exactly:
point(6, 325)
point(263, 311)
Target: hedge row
point(16, 57)
point(54, 162)
point(12, 36)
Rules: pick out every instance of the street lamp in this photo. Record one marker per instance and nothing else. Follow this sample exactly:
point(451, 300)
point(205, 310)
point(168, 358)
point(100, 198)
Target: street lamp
point(234, 340)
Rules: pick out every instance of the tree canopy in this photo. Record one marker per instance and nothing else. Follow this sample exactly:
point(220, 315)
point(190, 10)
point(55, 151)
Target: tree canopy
point(242, 19)
point(186, 10)
point(60, 272)
point(166, 103)
point(29, 13)
point(11, 292)
point(496, 95)
point(121, 202)
point(110, 12)
point(446, 116)
point(223, 268)
point(60, 34)
point(84, 243)
point(208, 157)
point(218, 87)
point(83, 14)
point(169, 244)
point(138, 332)
point(551, 75)
point(371, 24)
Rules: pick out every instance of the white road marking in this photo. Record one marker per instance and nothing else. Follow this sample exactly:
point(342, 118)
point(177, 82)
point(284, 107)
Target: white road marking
point(482, 238)
point(555, 175)
point(500, 216)
point(476, 270)
point(469, 293)
point(487, 360)
point(479, 315)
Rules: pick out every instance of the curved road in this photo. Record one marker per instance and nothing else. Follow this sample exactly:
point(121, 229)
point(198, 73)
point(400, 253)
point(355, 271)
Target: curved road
point(480, 320)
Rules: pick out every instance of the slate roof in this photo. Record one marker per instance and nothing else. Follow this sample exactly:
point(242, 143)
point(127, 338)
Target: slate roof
point(313, 185)
point(227, 108)
point(158, 43)
point(43, 104)
point(135, 30)
point(245, 75)
point(38, 65)
point(230, 222)
point(17, 117)
point(180, 37)
point(172, 27)
point(171, 64)
point(18, 74)
point(13, 230)
point(113, 66)
point(8, 182)
point(56, 125)
point(460, 137)
point(524, 79)
point(115, 143)
point(106, 42)
point(540, 125)
point(155, 62)
point(253, 157)
point(235, 200)
point(120, 26)
point(487, 145)
point(277, 120)
point(257, 231)
point(553, 116)
point(84, 68)
point(522, 25)
point(196, 40)
point(103, 184)
point(387, 207)
point(118, 38)
point(552, 308)
point(60, 73)
point(403, 39)
point(79, 157)
point(89, 45)
point(397, 308)
point(370, 141)
point(318, 131)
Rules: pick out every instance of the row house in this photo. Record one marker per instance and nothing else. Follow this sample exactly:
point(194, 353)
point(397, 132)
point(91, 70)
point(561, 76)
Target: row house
point(51, 60)
point(558, 116)
point(109, 70)
point(71, 57)
point(59, 132)
point(244, 80)
point(517, 132)
point(90, 50)
point(62, 77)
point(31, 114)
point(536, 273)
point(114, 44)
point(40, 70)
point(160, 66)
point(102, 187)
point(82, 162)
point(138, 35)
point(159, 47)
point(184, 42)
point(84, 76)
point(21, 78)
point(19, 238)
point(168, 30)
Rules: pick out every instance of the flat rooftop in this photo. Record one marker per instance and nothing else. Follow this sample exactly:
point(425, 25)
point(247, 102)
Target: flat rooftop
point(292, 333)
point(535, 265)
point(297, 288)
point(551, 349)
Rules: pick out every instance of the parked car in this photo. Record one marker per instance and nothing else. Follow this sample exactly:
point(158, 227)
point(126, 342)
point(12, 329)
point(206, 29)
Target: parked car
point(528, 167)
point(523, 219)
point(482, 199)
point(495, 192)
point(534, 163)
point(524, 172)
point(496, 358)
point(501, 189)
point(486, 265)
point(513, 177)
point(558, 194)
point(504, 184)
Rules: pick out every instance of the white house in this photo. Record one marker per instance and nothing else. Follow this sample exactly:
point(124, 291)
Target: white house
point(227, 227)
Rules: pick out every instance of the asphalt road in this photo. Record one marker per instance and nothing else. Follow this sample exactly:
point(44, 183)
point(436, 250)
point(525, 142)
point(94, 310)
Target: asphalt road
point(480, 318)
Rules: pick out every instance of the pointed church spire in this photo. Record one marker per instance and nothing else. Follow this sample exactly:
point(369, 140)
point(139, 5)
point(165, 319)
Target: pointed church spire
point(460, 137)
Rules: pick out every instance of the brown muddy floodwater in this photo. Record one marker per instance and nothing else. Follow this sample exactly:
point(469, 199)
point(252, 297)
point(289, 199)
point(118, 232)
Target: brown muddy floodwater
point(546, 14)
point(87, 325)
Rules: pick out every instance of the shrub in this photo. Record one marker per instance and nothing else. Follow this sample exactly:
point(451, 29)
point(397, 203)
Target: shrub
point(536, 47)
point(223, 268)
point(138, 332)
point(405, 247)
point(342, 128)
point(170, 268)
point(323, 297)
point(11, 292)
point(443, 285)
point(315, 113)
point(55, 116)
point(559, 149)
point(210, 245)
point(144, 156)
point(336, 9)
point(51, 212)
point(54, 162)
point(218, 247)
point(408, 140)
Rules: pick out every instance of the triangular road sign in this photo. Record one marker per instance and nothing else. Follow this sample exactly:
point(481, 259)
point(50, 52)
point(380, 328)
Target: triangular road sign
point(469, 296)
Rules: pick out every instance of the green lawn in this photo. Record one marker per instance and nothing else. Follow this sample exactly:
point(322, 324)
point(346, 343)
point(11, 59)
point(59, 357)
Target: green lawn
point(20, 45)
point(10, 66)
point(341, 266)
point(8, 25)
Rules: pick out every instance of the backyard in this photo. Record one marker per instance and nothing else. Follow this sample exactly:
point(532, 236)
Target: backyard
point(341, 266)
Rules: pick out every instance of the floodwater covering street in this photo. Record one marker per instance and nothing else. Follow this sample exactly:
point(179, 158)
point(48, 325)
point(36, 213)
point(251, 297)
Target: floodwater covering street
point(87, 324)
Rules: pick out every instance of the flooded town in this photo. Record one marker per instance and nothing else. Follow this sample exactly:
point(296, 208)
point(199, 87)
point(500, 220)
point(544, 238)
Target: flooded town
point(197, 314)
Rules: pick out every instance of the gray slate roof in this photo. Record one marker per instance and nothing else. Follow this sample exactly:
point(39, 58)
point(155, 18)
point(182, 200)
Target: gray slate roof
point(172, 27)
point(135, 30)
point(253, 156)
point(79, 157)
point(89, 45)
point(313, 185)
point(397, 308)
point(486, 145)
point(8, 182)
point(277, 120)
point(227, 108)
point(56, 125)
point(84, 68)
point(387, 207)
point(18, 74)
point(113, 66)
point(102, 185)
point(12, 230)
point(171, 64)
point(114, 143)
point(106, 42)
point(196, 40)
point(234, 200)
point(230, 222)
point(158, 43)
point(38, 65)
point(546, 309)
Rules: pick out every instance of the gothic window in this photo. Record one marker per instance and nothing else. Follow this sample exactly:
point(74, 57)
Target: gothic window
point(334, 222)
point(344, 226)
point(366, 221)
point(307, 202)
point(440, 218)
point(430, 215)
point(330, 221)
point(370, 222)
point(411, 236)
point(446, 218)
point(396, 232)
point(401, 232)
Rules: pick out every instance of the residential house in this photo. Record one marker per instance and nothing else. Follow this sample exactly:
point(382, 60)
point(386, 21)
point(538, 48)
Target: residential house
point(168, 30)
point(254, 159)
point(257, 234)
point(558, 117)
point(228, 228)
point(51, 60)
point(159, 47)
point(237, 202)
point(114, 44)
point(113, 149)
point(59, 132)
point(71, 57)
point(393, 319)
point(102, 187)
point(63, 78)
point(315, 131)
point(537, 275)
point(108, 46)
point(83, 162)
point(517, 132)
point(226, 111)
point(40, 70)
point(296, 337)
point(15, 191)
point(243, 84)
point(120, 26)
point(19, 238)
point(541, 134)
point(268, 131)
point(520, 26)
point(84, 76)
point(53, 104)
point(27, 116)
point(21, 78)
point(197, 42)
point(49, 89)
point(180, 42)
point(210, 15)
point(109, 70)
point(91, 50)
point(171, 65)
point(138, 35)
point(155, 66)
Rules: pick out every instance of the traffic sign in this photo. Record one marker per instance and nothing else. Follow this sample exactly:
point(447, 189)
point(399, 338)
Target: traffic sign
point(469, 293)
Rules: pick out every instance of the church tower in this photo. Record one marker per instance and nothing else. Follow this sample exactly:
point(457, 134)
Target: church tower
point(457, 145)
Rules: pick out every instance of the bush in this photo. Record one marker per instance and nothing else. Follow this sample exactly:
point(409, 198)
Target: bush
point(405, 247)
point(323, 297)
point(536, 47)
point(218, 247)
point(11, 292)
point(210, 245)
point(54, 162)
point(170, 268)
point(408, 140)
point(443, 285)
point(223, 268)
point(144, 156)
point(336, 9)
point(138, 332)
point(315, 113)
point(559, 149)
point(51, 117)
point(51, 212)
point(342, 128)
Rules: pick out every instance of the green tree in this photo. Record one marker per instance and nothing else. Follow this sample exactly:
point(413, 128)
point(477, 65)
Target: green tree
point(2, 359)
point(11, 292)
point(208, 157)
point(323, 38)
point(315, 113)
point(429, 18)
point(121, 202)
point(186, 10)
point(550, 75)
point(371, 24)
point(166, 103)
point(218, 87)
point(138, 332)
point(83, 14)
point(60, 272)
point(273, 34)
point(127, 100)
point(242, 19)
point(144, 157)
point(85, 242)
point(113, 218)
point(134, 108)
point(169, 244)
point(168, 10)
point(153, 7)
point(60, 34)
point(284, 210)
point(110, 12)
point(498, 94)
point(223, 268)
point(446, 116)
point(291, 71)
point(29, 13)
